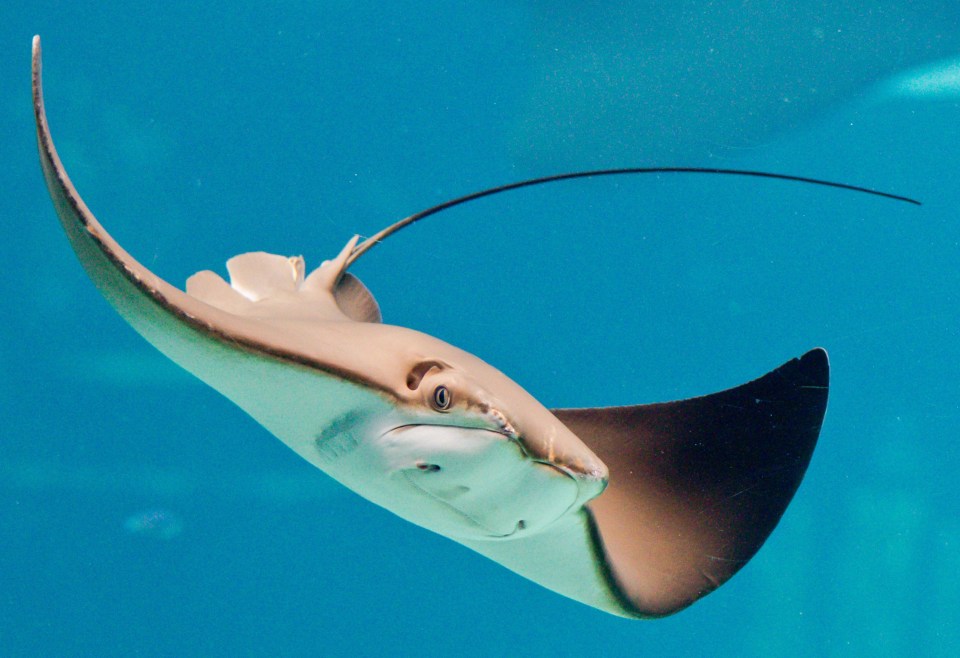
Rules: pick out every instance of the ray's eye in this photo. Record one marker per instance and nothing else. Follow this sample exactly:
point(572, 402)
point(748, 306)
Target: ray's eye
point(441, 398)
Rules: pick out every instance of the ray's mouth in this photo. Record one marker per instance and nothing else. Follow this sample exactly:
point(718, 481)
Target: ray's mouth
point(472, 522)
point(503, 427)
point(521, 524)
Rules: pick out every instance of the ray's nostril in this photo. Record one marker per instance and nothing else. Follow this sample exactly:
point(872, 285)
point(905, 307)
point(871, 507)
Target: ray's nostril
point(428, 468)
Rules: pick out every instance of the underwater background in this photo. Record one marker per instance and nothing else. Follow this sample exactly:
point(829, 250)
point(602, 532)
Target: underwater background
point(143, 514)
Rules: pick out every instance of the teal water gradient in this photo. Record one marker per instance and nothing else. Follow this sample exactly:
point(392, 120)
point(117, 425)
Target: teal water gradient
point(196, 132)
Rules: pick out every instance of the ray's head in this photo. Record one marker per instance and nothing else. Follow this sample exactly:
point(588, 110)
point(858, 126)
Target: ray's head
point(424, 429)
point(474, 456)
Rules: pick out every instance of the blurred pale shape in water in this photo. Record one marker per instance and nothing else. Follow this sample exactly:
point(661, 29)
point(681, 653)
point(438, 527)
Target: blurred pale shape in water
point(155, 524)
point(941, 80)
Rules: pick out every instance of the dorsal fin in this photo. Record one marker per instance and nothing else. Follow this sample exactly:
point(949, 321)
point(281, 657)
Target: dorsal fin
point(696, 486)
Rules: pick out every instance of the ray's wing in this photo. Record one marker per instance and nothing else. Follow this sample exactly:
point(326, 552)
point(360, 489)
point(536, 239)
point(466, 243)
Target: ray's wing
point(185, 328)
point(696, 486)
point(268, 360)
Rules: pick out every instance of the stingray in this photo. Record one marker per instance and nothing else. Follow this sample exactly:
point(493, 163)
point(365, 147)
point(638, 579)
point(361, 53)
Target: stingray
point(636, 510)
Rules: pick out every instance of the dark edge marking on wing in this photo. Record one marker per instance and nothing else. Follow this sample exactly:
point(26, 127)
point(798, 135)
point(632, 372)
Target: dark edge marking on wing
point(61, 187)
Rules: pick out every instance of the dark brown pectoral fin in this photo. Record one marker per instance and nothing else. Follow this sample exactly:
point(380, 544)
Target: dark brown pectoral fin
point(696, 486)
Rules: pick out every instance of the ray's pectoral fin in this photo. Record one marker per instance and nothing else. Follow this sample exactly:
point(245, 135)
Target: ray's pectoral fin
point(262, 320)
point(696, 486)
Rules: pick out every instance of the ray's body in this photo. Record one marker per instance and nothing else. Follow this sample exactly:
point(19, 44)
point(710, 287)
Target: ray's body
point(638, 511)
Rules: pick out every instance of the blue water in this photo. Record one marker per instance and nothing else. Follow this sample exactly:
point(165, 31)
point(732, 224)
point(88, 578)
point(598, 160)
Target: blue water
point(142, 514)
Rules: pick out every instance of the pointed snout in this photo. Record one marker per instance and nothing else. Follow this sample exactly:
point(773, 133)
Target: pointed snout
point(550, 442)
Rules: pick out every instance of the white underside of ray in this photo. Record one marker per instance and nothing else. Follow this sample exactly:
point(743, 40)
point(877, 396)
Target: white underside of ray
point(293, 402)
point(560, 557)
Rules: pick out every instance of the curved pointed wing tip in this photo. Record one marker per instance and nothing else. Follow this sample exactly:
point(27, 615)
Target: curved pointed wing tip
point(696, 486)
point(817, 357)
point(809, 371)
point(35, 64)
point(35, 61)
